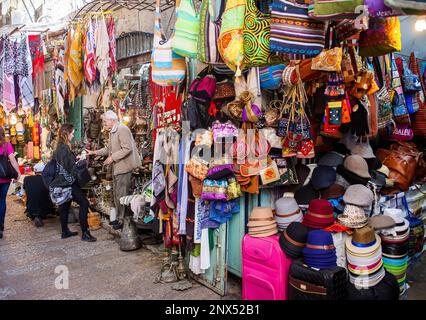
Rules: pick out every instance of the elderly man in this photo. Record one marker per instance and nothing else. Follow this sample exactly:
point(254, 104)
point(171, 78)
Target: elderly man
point(122, 153)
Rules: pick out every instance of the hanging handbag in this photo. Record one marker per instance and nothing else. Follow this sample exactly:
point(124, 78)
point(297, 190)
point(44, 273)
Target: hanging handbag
point(224, 90)
point(197, 168)
point(270, 77)
point(215, 190)
point(419, 118)
point(306, 71)
point(377, 8)
point(411, 82)
point(398, 102)
point(168, 68)
point(210, 22)
point(382, 37)
point(7, 171)
point(308, 40)
point(328, 60)
point(187, 30)
point(307, 283)
point(334, 9)
point(82, 173)
point(231, 40)
point(348, 28)
point(256, 38)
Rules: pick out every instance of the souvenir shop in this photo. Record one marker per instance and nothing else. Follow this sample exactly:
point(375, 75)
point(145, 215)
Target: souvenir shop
point(299, 161)
point(282, 141)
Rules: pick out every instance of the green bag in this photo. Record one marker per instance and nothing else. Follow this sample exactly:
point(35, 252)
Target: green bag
point(334, 9)
point(187, 30)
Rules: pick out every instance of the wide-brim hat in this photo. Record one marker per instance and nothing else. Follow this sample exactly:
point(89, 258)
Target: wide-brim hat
point(367, 281)
point(263, 228)
point(331, 159)
point(293, 239)
point(264, 233)
point(365, 270)
point(360, 247)
point(353, 217)
point(380, 222)
point(260, 216)
point(358, 195)
point(363, 260)
point(396, 262)
point(386, 289)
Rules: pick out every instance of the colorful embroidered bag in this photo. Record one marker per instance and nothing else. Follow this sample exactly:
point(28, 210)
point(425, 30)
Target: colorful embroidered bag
point(187, 30)
point(307, 38)
point(382, 37)
point(231, 40)
point(257, 27)
point(210, 21)
point(168, 68)
point(270, 77)
point(419, 118)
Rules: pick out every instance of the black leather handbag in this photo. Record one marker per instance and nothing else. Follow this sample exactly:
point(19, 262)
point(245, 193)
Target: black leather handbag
point(7, 171)
point(306, 283)
point(82, 173)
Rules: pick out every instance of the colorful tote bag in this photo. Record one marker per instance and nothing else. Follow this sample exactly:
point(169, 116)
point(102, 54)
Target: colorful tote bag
point(257, 28)
point(231, 40)
point(399, 103)
point(168, 68)
point(382, 37)
point(334, 9)
point(270, 77)
point(187, 30)
point(293, 31)
point(210, 21)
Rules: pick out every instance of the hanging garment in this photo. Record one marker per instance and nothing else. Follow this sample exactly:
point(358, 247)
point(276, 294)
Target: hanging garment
point(26, 81)
point(187, 30)
point(112, 45)
point(75, 63)
point(168, 68)
point(257, 28)
point(210, 22)
point(102, 50)
point(89, 56)
point(252, 85)
point(184, 187)
point(231, 40)
point(308, 38)
point(9, 99)
point(205, 250)
point(37, 56)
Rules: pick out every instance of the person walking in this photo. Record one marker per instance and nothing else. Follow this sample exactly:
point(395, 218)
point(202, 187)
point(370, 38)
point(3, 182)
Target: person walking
point(6, 148)
point(65, 187)
point(122, 154)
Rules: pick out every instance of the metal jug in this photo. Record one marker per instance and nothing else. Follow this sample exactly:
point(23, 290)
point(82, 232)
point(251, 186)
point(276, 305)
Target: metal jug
point(129, 236)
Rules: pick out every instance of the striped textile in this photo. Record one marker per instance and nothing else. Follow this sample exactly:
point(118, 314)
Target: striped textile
point(270, 77)
point(168, 68)
point(293, 31)
point(187, 30)
point(209, 31)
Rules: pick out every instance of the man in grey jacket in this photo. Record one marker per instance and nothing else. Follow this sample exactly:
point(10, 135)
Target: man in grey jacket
point(122, 153)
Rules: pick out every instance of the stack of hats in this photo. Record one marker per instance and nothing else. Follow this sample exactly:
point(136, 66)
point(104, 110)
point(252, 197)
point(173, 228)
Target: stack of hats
point(354, 170)
point(319, 215)
point(357, 197)
point(319, 251)
point(323, 177)
point(262, 223)
point(293, 239)
point(395, 243)
point(305, 194)
point(364, 256)
point(287, 211)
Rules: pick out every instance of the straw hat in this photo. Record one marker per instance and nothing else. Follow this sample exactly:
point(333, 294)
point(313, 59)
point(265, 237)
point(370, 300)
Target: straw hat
point(261, 216)
point(363, 241)
point(353, 217)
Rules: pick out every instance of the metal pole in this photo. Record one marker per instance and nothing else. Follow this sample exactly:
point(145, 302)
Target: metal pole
point(31, 18)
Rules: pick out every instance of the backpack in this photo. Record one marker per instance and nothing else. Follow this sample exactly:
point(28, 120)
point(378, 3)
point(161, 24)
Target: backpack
point(49, 173)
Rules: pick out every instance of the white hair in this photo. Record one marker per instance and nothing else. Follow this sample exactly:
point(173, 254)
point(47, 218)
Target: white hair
point(110, 115)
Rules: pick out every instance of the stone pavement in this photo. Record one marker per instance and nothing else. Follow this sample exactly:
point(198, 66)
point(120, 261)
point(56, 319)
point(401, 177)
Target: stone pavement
point(99, 270)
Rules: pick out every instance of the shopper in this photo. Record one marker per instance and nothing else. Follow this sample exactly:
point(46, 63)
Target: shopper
point(66, 182)
point(6, 147)
point(123, 156)
point(38, 202)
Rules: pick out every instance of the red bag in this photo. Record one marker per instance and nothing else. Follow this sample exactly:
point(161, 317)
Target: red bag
point(419, 118)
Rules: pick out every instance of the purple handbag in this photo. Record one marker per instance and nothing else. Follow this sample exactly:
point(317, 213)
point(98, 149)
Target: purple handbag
point(215, 190)
point(377, 8)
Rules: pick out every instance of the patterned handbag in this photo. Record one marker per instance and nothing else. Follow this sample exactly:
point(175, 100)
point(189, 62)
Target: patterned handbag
point(231, 41)
point(187, 30)
point(256, 38)
point(168, 68)
point(309, 37)
point(210, 21)
point(270, 77)
point(348, 28)
point(334, 9)
point(328, 60)
point(398, 103)
point(382, 37)
point(419, 118)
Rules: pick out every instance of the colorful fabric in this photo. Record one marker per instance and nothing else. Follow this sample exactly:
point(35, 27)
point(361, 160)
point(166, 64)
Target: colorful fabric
point(168, 68)
point(37, 56)
point(89, 53)
point(231, 40)
point(26, 82)
point(334, 9)
point(187, 29)
point(210, 21)
point(257, 28)
point(270, 77)
point(112, 46)
point(102, 50)
point(293, 31)
point(75, 63)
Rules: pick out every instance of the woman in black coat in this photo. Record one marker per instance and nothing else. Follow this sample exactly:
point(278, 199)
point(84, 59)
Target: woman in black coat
point(66, 178)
